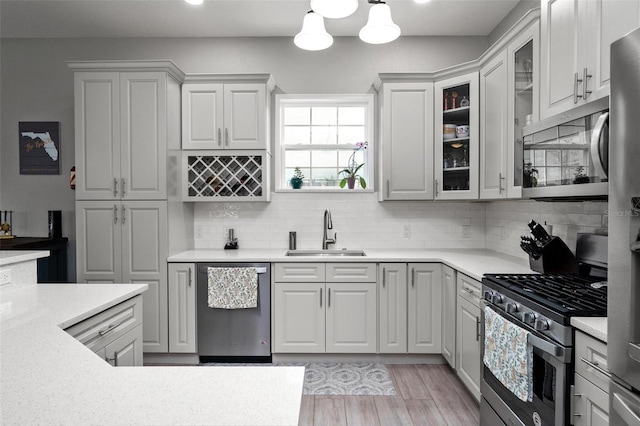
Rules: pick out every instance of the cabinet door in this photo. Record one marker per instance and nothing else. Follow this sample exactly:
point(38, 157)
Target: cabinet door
point(351, 318)
point(99, 237)
point(97, 135)
point(393, 307)
point(560, 40)
point(143, 141)
point(202, 116)
point(424, 308)
point(245, 116)
point(493, 129)
point(591, 404)
point(144, 254)
point(449, 315)
point(468, 346)
point(125, 351)
point(182, 308)
point(407, 141)
point(299, 317)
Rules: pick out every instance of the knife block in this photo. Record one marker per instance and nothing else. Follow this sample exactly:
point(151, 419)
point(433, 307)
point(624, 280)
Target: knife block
point(556, 258)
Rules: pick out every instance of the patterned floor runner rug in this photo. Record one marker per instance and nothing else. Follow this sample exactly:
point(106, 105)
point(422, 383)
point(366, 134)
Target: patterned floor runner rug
point(347, 379)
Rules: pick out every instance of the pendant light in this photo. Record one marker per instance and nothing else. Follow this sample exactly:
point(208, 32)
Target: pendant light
point(313, 35)
point(380, 27)
point(334, 9)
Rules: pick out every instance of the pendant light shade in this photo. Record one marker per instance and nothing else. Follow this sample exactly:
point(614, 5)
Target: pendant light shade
point(380, 27)
point(334, 9)
point(313, 35)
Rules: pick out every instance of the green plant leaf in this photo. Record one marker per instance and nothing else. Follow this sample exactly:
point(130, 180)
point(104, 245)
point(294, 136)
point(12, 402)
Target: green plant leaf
point(343, 182)
point(363, 183)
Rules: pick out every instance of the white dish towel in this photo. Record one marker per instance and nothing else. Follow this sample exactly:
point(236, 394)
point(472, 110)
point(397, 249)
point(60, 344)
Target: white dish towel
point(232, 288)
point(508, 355)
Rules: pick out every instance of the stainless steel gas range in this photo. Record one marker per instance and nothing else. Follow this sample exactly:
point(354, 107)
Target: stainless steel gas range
point(541, 305)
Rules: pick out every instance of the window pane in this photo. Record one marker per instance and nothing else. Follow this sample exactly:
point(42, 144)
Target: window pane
point(324, 177)
point(297, 115)
point(351, 115)
point(324, 115)
point(538, 156)
point(297, 159)
point(297, 135)
point(553, 157)
point(350, 134)
point(324, 159)
point(323, 135)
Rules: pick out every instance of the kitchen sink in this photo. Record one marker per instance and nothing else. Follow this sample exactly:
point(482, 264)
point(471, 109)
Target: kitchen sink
point(320, 253)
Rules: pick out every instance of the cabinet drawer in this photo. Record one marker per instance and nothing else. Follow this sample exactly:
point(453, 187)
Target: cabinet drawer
point(590, 404)
point(469, 289)
point(103, 328)
point(351, 272)
point(299, 272)
point(591, 359)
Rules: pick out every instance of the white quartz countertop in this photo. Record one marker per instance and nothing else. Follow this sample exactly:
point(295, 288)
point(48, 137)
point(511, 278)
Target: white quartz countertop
point(9, 257)
point(472, 262)
point(48, 377)
point(596, 327)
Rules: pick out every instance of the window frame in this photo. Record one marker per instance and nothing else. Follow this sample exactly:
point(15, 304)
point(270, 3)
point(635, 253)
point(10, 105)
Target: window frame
point(317, 100)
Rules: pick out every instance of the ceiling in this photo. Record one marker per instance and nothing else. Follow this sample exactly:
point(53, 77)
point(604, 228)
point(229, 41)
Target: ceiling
point(233, 18)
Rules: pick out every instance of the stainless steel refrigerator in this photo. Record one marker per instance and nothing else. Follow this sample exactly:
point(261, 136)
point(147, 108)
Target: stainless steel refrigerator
point(624, 227)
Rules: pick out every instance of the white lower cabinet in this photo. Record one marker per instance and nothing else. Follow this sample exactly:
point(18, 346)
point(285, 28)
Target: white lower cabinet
point(114, 334)
point(468, 343)
point(590, 396)
point(182, 308)
point(449, 315)
point(410, 307)
point(314, 314)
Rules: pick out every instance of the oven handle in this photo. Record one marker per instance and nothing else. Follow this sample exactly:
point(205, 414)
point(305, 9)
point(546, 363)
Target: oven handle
point(550, 348)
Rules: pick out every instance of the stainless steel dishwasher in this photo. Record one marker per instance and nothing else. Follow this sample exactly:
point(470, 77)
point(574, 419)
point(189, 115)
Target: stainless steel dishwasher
point(234, 335)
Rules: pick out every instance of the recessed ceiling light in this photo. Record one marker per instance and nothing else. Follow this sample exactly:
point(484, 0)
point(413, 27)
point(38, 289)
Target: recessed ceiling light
point(194, 1)
point(422, 1)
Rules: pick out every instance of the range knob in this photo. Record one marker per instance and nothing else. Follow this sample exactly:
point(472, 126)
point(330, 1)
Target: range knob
point(511, 308)
point(497, 298)
point(529, 317)
point(487, 295)
point(541, 324)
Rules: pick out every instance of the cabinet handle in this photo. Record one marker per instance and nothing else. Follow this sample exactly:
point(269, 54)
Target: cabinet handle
point(585, 77)
point(115, 214)
point(384, 275)
point(576, 81)
point(500, 179)
point(572, 407)
point(388, 189)
point(436, 187)
point(477, 329)
point(219, 136)
point(110, 360)
point(109, 329)
point(115, 187)
point(329, 298)
point(122, 185)
point(124, 214)
point(413, 277)
point(189, 277)
point(321, 298)
point(468, 290)
point(595, 366)
point(226, 137)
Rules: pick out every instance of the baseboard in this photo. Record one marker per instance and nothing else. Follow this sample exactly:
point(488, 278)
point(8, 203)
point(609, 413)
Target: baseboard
point(361, 358)
point(170, 359)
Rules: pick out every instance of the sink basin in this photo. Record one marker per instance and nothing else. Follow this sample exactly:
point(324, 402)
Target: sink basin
point(319, 253)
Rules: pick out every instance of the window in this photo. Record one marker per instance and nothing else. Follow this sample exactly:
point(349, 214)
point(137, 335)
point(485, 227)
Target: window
point(319, 134)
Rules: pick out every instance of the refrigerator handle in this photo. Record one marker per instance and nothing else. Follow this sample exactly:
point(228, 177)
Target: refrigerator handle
point(598, 149)
point(622, 407)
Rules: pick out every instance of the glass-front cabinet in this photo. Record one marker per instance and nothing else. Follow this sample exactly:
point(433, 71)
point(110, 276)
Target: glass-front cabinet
point(456, 138)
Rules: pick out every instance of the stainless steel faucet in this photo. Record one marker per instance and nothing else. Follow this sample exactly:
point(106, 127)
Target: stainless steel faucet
point(328, 224)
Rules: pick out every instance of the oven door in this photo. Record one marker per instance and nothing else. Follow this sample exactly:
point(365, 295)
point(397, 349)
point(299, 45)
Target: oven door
point(551, 367)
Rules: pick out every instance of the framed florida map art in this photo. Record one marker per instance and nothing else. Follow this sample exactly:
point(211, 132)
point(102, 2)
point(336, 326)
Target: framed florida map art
point(39, 147)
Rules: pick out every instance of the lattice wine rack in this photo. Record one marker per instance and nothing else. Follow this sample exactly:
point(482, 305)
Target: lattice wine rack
point(216, 177)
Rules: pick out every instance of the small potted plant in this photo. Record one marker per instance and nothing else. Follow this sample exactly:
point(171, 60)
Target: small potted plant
point(530, 176)
point(580, 175)
point(350, 173)
point(296, 180)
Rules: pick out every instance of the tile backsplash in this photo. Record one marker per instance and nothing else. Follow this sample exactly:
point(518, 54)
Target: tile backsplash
point(361, 221)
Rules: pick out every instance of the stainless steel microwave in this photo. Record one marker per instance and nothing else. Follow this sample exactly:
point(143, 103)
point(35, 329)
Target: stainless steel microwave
point(567, 155)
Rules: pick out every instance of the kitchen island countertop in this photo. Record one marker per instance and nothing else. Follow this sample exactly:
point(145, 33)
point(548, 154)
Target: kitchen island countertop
point(471, 262)
point(48, 377)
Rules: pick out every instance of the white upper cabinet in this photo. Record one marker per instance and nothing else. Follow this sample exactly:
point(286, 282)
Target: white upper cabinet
point(407, 141)
point(575, 42)
point(121, 130)
point(218, 113)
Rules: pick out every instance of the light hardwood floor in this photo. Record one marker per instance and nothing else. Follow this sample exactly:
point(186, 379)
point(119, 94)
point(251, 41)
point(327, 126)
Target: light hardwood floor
point(427, 394)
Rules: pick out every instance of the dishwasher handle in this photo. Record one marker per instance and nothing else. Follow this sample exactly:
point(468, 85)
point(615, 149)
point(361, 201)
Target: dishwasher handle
point(204, 269)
